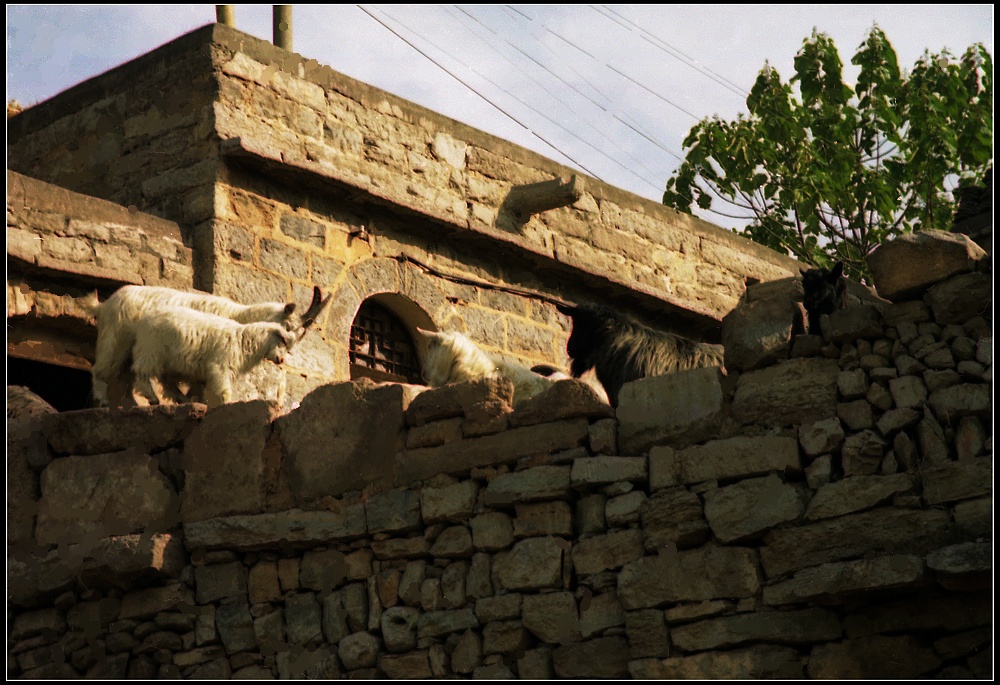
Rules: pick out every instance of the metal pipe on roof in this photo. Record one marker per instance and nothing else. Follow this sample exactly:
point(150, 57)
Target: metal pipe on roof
point(283, 26)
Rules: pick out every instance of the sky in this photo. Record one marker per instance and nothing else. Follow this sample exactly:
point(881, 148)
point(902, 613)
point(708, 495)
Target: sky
point(611, 90)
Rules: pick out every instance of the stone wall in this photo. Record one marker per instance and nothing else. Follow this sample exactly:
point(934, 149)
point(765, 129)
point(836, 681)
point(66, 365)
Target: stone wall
point(826, 516)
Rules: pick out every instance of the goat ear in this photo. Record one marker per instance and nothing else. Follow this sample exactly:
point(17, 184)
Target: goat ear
point(289, 308)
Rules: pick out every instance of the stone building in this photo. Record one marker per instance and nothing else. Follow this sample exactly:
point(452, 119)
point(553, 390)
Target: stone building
point(223, 163)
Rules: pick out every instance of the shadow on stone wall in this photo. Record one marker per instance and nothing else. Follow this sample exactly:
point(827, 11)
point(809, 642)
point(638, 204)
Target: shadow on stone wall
point(827, 515)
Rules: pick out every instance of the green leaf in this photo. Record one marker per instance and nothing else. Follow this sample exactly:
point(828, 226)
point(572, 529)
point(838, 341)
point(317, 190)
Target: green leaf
point(832, 171)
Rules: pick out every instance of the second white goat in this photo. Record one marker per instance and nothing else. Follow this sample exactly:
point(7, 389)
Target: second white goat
point(203, 348)
point(453, 358)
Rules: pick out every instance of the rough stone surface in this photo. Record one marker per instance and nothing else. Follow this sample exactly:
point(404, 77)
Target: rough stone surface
point(603, 657)
point(606, 552)
point(224, 462)
point(98, 431)
point(759, 661)
point(343, 455)
point(856, 493)
point(538, 483)
point(805, 626)
point(531, 564)
point(759, 330)
point(695, 575)
point(843, 578)
point(762, 396)
point(913, 262)
point(821, 437)
point(688, 408)
point(751, 507)
point(903, 531)
point(739, 457)
point(879, 656)
point(673, 516)
point(102, 495)
point(961, 298)
point(551, 617)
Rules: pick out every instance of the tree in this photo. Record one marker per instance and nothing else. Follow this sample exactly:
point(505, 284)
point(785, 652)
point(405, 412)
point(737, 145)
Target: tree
point(828, 173)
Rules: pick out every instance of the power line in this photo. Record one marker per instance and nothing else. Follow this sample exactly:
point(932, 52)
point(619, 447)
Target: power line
point(587, 81)
point(459, 79)
point(498, 86)
point(653, 92)
point(562, 104)
point(692, 62)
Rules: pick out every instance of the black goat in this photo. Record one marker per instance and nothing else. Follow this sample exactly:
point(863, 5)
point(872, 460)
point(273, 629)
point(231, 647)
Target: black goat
point(824, 292)
point(622, 350)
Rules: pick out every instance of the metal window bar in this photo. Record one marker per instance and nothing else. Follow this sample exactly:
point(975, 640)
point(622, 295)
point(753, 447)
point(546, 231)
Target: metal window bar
point(380, 342)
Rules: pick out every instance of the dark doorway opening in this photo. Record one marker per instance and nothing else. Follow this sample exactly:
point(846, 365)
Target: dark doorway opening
point(64, 388)
point(381, 347)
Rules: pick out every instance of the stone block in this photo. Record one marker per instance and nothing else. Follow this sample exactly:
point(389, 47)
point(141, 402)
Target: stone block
point(144, 429)
point(907, 267)
point(103, 495)
point(529, 485)
point(305, 528)
point(324, 457)
point(543, 518)
point(839, 579)
point(763, 396)
point(224, 462)
point(752, 506)
point(589, 471)
point(679, 408)
point(531, 564)
point(460, 457)
point(607, 552)
point(695, 575)
point(551, 617)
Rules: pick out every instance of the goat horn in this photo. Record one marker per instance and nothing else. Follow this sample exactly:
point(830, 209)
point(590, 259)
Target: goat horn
point(315, 308)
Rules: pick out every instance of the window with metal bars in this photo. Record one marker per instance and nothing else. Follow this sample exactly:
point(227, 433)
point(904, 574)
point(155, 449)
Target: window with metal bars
point(381, 347)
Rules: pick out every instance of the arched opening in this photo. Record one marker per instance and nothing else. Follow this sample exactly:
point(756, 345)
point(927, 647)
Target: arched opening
point(381, 344)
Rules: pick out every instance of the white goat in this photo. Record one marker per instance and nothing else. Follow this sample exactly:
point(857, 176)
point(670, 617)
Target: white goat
point(117, 319)
point(453, 358)
point(203, 347)
point(590, 378)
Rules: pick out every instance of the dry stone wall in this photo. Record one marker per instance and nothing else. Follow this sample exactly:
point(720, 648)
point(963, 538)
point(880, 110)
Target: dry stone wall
point(826, 516)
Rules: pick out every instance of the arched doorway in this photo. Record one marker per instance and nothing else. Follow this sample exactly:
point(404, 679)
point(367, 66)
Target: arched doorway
point(381, 345)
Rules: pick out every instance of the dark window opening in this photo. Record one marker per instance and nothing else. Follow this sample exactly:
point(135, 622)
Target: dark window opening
point(381, 347)
point(64, 388)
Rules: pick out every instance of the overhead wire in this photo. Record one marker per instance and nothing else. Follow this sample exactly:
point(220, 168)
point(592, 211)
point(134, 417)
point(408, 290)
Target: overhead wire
point(521, 100)
point(565, 106)
point(470, 87)
point(666, 47)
